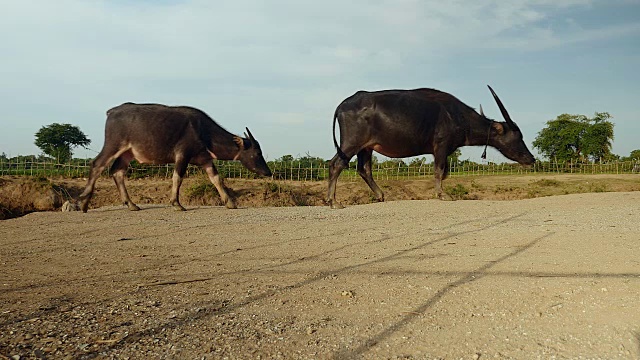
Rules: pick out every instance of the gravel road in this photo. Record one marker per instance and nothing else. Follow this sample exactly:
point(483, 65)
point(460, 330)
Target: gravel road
point(554, 277)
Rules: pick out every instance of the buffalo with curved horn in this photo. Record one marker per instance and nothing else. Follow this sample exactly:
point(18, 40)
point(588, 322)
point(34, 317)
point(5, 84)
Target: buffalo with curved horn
point(403, 123)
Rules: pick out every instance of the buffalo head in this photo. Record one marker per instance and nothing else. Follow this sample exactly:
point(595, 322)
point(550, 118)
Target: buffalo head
point(507, 137)
point(250, 154)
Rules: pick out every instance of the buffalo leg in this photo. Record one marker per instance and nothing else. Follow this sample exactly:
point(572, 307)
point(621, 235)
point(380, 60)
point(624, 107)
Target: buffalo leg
point(441, 170)
point(118, 171)
point(176, 181)
point(217, 181)
point(336, 166)
point(364, 169)
point(97, 167)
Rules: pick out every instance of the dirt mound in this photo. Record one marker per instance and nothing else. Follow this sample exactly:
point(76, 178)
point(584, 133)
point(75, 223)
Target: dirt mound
point(22, 195)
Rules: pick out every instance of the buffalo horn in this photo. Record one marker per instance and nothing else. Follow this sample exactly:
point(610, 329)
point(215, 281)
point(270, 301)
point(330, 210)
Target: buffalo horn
point(250, 135)
point(504, 112)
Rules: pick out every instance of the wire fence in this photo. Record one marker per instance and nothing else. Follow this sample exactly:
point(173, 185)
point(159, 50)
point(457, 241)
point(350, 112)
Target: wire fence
point(298, 170)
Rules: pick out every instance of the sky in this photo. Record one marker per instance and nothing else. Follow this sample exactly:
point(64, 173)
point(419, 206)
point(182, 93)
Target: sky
point(281, 67)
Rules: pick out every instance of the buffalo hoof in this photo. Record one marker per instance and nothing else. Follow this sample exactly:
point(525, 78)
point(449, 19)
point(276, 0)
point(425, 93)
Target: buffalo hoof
point(337, 205)
point(133, 207)
point(70, 206)
point(231, 205)
point(177, 206)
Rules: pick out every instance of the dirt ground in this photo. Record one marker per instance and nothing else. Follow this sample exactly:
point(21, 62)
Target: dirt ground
point(539, 278)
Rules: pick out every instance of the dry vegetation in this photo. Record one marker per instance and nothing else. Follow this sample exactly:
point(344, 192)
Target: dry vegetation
point(22, 195)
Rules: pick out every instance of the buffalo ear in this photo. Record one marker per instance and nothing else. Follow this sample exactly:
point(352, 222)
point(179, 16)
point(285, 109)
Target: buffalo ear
point(498, 127)
point(239, 141)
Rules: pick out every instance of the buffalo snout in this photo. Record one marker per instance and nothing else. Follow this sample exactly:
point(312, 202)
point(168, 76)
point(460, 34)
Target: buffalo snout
point(264, 172)
point(527, 159)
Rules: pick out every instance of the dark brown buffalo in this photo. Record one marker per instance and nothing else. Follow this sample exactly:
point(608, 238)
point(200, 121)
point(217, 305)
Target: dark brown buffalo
point(159, 134)
point(403, 123)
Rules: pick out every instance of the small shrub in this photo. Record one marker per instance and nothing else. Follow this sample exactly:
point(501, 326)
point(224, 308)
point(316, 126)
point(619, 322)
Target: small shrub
point(300, 199)
point(598, 188)
point(457, 192)
point(41, 180)
point(271, 187)
point(476, 186)
point(547, 182)
point(201, 189)
point(505, 189)
point(533, 193)
point(285, 195)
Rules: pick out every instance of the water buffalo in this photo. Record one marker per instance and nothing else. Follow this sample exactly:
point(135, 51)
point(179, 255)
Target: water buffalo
point(403, 123)
point(160, 134)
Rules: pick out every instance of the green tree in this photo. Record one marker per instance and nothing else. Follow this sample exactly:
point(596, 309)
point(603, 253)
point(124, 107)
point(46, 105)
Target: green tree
point(571, 137)
point(598, 137)
point(454, 158)
point(418, 161)
point(285, 158)
point(310, 161)
point(560, 139)
point(57, 140)
point(374, 161)
point(633, 156)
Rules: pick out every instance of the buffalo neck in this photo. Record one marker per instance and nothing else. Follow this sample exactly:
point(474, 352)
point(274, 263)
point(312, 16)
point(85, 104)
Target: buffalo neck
point(479, 130)
point(223, 145)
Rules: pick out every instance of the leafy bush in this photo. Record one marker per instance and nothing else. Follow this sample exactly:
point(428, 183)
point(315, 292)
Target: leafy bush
point(285, 195)
point(547, 182)
point(202, 189)
point(504, 189)
point(457, 192)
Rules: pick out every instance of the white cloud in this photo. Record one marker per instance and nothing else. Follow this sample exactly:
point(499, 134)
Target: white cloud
point(211, 39)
